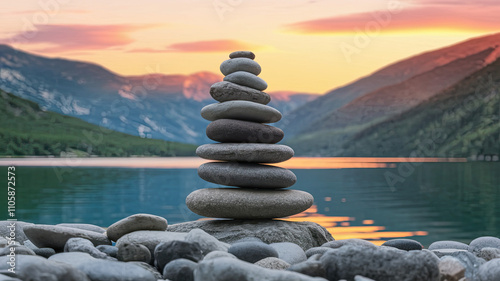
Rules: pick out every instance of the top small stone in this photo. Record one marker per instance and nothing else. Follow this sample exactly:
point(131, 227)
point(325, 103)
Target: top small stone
point(242, 54)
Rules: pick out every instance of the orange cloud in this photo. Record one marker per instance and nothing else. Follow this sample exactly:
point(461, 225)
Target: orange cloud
point(439, 16)
point(64, 38)
point(211, 46)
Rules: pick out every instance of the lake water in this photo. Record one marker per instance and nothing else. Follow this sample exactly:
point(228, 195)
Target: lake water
point(369, 198)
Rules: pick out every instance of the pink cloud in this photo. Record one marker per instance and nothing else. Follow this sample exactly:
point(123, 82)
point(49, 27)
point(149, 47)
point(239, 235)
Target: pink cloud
point(432, 16)
point(210, 46)
point(64, 38)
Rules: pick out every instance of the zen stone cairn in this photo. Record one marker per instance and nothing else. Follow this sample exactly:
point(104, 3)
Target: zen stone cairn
point(245, 149)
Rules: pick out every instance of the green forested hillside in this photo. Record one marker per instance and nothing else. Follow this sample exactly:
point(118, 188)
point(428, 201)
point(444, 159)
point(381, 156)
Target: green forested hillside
point(27, 130)
point(461, 121)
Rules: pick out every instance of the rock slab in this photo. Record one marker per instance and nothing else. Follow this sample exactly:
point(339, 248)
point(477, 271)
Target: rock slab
point(245, 152)
point(227, 91)
point(231, 130)
point(241, 110)
point(134, 223)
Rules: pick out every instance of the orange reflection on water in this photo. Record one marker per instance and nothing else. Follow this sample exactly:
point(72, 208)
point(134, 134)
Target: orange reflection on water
point(375, 234)
point(357, 162)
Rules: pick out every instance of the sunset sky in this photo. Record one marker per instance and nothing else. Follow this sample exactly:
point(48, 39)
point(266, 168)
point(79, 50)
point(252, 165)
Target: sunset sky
point(302, 45)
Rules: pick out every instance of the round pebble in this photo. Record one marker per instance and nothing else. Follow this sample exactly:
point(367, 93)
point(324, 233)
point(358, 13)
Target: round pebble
point(240, 64)
point(242, 203)
point(241, 110)
point(404, 244)
point(252, 252)
point(245, 152)
point(242, 54)
point(227, 91)
point(246, 79)
point(248, 175)
point(166, 252)
point(448, 245)
point(133, 252)
point(134, 223)
point(477, 244)
point(229, 130)
point(180, 269)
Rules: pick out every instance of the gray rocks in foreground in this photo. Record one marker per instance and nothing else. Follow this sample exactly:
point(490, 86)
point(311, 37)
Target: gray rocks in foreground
point(304, 234)
point(381, 263)
point(150, 239)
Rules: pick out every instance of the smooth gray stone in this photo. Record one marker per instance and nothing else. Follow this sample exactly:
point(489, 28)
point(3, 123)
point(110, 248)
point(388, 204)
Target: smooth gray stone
point(317, 251)
point(227, 269)
point(19, 250)
point(168, 251)
point(133, 252)
point(218, 254)
point(38, 268)
point(241, 110)
point(289, 252)
point(273, 263)
point(477, 244)
point(111, 251)
point(448, 245)
point(362, 278)
point(180, 269)
point(230, 130)
point(311, 267)
point(248, 175)
point(446, 252)
point(305, 234)
point(404, 244)
point(149, 268)
point(8, 278)
point(134, 223)
point(207, 242)
point(489, 271)
point(19, 226)
point(72, 258)
point(240, 203)
point(85, 246)
point(240, 64)
point(242, 54)
point(44, 252)
point(84, 226)
point(252, 252)
point(55, 237)
point(451, 268)
point(106, 270)
point(227, 91)
point(245, 152)
point(380, 263)
point(246, 79)
point(351, 242)
point(149, 238)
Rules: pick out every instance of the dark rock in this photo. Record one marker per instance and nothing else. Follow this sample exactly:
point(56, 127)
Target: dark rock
point(249, 175)
point(289, 252)
point(180, 269)
point(246, 79)
point(317, 250)
point(135, 223)
point(133, 252)
point(245, 152)
point(84, 226)
point(38, 268)
point(304, 234)
point(404, 244)
point(227, 91)
point(244, 203)
point(477, 244)
point(242, 54)
point(111, 251)
point(85, 246)
point(489, 271)
point(380, 263)
point(55, 237)
point(230, 130)
point(241, 110)
point(207, 242)
point(226, 269)
point(448, 245)
point(240, 64)
point(252, 252)
point(172, 250)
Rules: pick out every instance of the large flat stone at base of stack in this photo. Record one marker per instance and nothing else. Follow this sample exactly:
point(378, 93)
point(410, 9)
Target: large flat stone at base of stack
point(305, 234)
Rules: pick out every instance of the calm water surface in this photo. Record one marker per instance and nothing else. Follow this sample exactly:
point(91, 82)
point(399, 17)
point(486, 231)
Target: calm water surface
point(369, 198)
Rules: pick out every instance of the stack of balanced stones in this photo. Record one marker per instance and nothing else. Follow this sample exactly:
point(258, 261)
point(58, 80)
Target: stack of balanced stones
point(246, 147)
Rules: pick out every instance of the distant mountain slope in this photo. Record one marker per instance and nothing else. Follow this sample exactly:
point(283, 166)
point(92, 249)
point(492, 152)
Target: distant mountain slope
point(462, 121)
point(28, 130)
point(153, 106)
point(314, 113)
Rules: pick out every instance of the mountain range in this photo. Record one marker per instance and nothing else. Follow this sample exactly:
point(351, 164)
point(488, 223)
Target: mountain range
point(334, 121)
point(151, 106)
